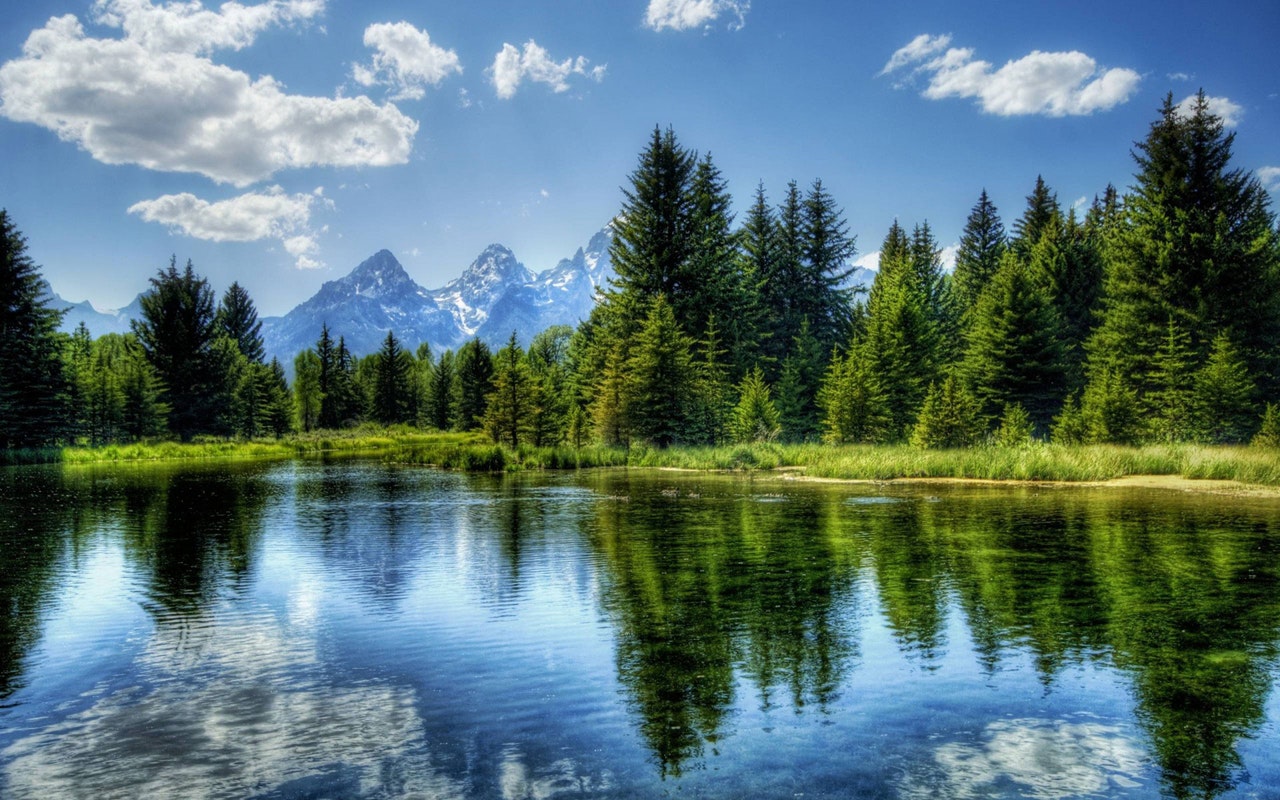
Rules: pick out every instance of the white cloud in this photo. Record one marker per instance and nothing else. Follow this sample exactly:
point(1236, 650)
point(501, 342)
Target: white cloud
point(406, 60)
point(152, 99)
point(1270, 177)
point(1179, 76)
point(869, 261)
point(270, 214)
point(918, 49)
point(681, 15)
point(947, 256)
point(1051, 84)
point(512, 66)
point(1221, 107)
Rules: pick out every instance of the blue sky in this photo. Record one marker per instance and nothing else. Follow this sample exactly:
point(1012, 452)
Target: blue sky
point(280, 143)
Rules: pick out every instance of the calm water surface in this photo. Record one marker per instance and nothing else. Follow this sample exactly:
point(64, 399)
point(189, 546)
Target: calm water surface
point(300, 630)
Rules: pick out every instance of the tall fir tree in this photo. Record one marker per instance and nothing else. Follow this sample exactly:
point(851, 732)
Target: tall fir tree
point(1042, 210)
point(755, 417)
point(982, 243)
point(1198, 243)
point(394, 398)
point(238, 319)
point(178, 330)
point(509, 415)
point(1223, 396)
point(761, 265)
point(474, 376)
point(442, 399)
point(32, 385)
point(661, 378)
point(827, 250)
point(307, 394)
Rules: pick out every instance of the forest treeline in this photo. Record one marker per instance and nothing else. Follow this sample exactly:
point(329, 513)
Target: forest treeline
point(1155, 316)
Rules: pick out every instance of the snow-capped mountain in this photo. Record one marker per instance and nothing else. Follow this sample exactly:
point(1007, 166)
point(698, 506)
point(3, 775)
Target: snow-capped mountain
point(492, 297)
point(98, 322)
point(375, 297)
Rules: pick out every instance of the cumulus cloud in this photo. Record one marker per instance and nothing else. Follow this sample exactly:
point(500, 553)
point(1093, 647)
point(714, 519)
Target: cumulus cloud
point(1050, 84)
point(681, 15)
point(512, 66)
point(270, 214)
point(1270, 177)
point(405, 60)
point(1221, 107)
point(153, 98)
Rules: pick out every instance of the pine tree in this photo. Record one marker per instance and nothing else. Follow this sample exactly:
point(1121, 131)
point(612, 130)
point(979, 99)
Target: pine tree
point(1015, 348)
point(548, 358)
point(77, 369)
point(1171, 400)
point(661, 378)
point(1042, 211)
point(1268, 434)
point(853, 403)
point(442, 400)
point(32, 385)
point(329, 413)
point(611, 407)
point(1223, 399)
point(755, 418)
point(474, 375)
point(1198, 244)
point(1015, 428)
point(798, 386)
point(826, 252)
point(710, 406)
point(393, 399)
point(511, 403)
point(177, 330)
point(982, 243)
point(238, 319)
point(307, 370)
point(762, 263)
point(651, 242)
point(715, 285)
point(279, 409)
point(949, 418)
point(1110, 411)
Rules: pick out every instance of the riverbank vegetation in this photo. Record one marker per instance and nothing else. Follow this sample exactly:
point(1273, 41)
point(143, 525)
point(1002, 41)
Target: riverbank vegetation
point(1152, 322)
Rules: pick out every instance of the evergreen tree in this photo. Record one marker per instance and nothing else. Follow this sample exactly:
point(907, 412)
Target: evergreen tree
point(442, 400)
point(177, 330)
point(1171, 399)
point(393, 398)
point(661, 378)
point(755, 418)
point(77, 369)
point(652, 242)
point(1268, 434)
point(32, 385)
point(144, 411)
point(1069, 426)
point(238, 319)
point(1110, 412)
point(826, 251)
point(926, 263)
point(950, 417)
point(279, 408)
point(1015, 348)
point(475, 381)
point(1042, 211)
point(782, 290)
point(511, 404)
point(798, 387)
point(761, 254)
point(710, 405)
point(853, 404)
point(327, 380)
point(716, 286)
point(307, 395)
point(1198, 244)
point(982, 243)
point(1223, 398)
point(1015, 428)
point(548, 358)
point(611, 406)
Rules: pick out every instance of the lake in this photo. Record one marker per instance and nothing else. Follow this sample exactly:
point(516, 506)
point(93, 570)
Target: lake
point(351, 629)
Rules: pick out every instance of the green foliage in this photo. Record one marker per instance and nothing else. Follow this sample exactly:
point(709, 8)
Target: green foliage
point(1110, 411)
point(755, 418)
point(394, 397)
point(516, 393)
point(1069, 427)
point(1015, 350)
point(1171, 400)
point(442, 393)
point(238, 319)
point(178, 329)
point(982, 243)
point(306, 390)
point(1268, 434)
point(1016, 428)
point(950, 418)
point(661, 379)
point(798, 387)
point(1042, 212)
point(1224, 412)
point(474, 376)
point(853, 403)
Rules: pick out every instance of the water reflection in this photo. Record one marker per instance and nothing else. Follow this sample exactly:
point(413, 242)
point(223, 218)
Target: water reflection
point(352, 629)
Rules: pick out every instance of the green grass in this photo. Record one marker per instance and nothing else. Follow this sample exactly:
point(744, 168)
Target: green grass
point(473, 452)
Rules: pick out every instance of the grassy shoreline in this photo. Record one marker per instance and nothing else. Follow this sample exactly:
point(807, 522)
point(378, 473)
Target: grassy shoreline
point(475, 453)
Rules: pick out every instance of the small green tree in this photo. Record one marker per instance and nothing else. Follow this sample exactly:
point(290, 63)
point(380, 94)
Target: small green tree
point(853, 404)
point(510, 406)
point(1172, 400)
point(1110, 410)
point(1069, 426)
point(474, 371)
point(393, 399)
point(661, 378)
point(755, 418)
point(950, 417)
point(306, 389)
point(1016, 428)
point(1223, 396)
point(1268, 434)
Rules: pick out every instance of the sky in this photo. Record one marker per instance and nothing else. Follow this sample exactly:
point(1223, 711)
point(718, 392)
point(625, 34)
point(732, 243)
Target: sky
point(281, 143)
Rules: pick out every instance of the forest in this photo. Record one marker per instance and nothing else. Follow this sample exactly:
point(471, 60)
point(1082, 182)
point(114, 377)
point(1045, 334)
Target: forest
point(1154, 317)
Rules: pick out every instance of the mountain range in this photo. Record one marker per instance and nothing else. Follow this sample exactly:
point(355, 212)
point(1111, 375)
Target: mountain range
point(493, 297)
